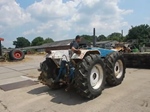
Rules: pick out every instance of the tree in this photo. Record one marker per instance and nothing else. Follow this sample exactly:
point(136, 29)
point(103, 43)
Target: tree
point(115, 36)
point(139, 32)
point(21, 42)
point(37, 41)
point(10, 48)
point(101, 38)
point(48, 40)
point(87, 38)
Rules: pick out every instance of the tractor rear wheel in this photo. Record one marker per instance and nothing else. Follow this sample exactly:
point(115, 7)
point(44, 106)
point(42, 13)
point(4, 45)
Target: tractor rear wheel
point(115, 68)
point(90, 76)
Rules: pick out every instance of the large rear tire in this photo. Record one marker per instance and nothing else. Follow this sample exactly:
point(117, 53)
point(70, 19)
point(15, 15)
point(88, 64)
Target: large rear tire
point(115, 68)
point(90, 76)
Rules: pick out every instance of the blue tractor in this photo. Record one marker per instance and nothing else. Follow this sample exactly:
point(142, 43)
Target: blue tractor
point(87, 71)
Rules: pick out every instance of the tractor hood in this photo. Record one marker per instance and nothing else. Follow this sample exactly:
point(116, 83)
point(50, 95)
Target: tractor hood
point(103, 52)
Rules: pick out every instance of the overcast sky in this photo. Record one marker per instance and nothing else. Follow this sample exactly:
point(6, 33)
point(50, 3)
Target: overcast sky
point(64, 19)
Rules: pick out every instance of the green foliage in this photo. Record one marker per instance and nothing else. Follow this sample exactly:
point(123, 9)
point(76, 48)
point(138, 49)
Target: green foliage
point(139, 32)
point(115, 36)
point(37, 41)
point(7, 58)
point(88, 38)
point(21, 42)
point(101, 38)
point(48, 40)
point(10, 48)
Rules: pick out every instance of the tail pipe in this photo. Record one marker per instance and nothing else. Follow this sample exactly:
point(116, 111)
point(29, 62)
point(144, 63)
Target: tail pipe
point(1, 39)
point(0, 49)
point(94, 38)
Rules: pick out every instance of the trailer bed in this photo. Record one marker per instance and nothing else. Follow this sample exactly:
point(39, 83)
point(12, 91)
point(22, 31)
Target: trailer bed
point(137, 60)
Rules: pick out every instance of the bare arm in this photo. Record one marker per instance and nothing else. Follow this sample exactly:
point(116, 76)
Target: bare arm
point(77, 51)
point(74, 49)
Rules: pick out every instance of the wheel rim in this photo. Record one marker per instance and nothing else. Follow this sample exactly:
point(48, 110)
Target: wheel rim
point(17, 54)
point(96, 77)
point(118, 69)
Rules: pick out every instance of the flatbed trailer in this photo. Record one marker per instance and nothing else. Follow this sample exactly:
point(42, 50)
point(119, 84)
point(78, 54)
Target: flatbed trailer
point(11, 54)
point(137, 59)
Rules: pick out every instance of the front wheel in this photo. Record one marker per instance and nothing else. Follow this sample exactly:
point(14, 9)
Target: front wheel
point(90, 76)
point(115, 68)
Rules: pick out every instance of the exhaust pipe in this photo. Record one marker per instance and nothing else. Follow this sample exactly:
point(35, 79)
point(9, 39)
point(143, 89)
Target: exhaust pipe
point(0, 48)
point(94, 38)
point(1, 39)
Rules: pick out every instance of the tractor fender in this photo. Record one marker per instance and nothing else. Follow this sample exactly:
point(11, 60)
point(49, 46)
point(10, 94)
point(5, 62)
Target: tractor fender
point(83, 54)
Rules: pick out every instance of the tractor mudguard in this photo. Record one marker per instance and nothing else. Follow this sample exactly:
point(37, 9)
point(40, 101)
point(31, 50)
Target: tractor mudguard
point(83, 54)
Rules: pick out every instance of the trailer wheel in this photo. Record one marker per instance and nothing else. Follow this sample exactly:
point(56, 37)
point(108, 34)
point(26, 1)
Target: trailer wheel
point(90, 76)
point(16, 55)
point(115, 68)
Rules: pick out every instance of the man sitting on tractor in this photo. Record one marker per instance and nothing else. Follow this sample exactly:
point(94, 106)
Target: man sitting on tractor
point(74, 45)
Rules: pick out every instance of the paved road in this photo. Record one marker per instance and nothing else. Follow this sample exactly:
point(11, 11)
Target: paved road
point(133, 95)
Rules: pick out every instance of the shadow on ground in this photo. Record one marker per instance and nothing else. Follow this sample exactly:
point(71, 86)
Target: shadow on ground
point(108, 87)
point(61, 96)
point(140, 66)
